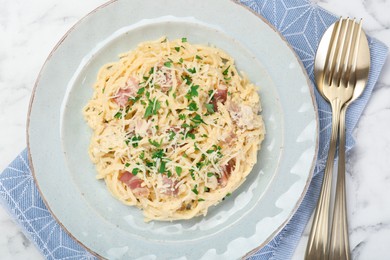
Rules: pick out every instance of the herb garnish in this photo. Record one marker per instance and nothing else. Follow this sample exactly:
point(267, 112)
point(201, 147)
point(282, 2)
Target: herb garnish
point(193, 92)
point(178, 170)
point(195, 189)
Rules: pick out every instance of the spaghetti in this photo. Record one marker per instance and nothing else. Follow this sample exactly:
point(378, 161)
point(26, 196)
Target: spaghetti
point(175, 128)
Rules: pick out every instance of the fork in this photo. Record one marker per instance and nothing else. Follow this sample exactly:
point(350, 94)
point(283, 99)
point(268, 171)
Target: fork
point(334, 78)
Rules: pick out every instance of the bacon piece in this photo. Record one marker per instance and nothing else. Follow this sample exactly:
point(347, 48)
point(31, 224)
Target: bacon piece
point(226, 171)
point(129, 90)
point(175, 129)
point(134, 183)
point(220, 95)
point(230, 138)
point(169, 186)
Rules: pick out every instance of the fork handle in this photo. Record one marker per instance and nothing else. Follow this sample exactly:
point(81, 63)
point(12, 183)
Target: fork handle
point(317, 246)
point(339, 242)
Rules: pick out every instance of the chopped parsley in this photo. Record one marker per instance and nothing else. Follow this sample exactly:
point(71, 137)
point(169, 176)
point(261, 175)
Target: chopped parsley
point(127, 164)
point(210, 174)
point(152, 108)
point(198, 57)
point(150, 164)
point(197, 119)
point(141, 91)
point(183, 39)
point(155, 143)
point(142, 155)
point(225, 72)
point(210, 108)
point(169, 174)
point(172, 135)
point(187, 79)
point(178, 170)
point(193, 70)
point(158, 154)
point(200, 199)
point(118, 115)
point(193, 92)
point(135, 171)
point(177, 49)
point(182, 116)
point(193, 106)
point(181, 60)
point(192, 174)
point(162, 167)
point(190, 135)
point(134, 140)
point(168, 64)
point(195, 189)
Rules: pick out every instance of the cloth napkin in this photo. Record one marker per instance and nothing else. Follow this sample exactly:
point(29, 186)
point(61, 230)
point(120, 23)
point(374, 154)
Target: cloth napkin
point(302, 23)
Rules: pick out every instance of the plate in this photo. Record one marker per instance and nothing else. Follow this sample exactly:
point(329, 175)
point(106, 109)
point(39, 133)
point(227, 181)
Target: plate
point(58, 136)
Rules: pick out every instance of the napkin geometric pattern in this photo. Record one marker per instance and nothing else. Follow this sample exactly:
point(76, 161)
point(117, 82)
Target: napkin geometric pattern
point(302, 23)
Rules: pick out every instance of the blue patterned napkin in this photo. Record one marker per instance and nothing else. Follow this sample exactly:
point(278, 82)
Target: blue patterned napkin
point(302, 23)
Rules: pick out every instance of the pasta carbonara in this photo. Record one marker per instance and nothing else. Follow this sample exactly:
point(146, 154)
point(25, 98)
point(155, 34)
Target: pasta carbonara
point(175, 128)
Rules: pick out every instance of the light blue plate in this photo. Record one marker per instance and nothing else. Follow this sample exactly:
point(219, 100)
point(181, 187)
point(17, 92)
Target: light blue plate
point(58, 136)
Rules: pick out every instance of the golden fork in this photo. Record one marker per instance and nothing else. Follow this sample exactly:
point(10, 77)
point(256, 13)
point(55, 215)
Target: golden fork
point(341, 71)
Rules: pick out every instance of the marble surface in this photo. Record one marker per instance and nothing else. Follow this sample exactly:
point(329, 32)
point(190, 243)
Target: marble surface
point(30, 29)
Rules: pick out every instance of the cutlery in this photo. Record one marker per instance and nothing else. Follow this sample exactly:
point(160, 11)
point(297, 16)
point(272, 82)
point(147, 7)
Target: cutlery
point(358, 76)
point(341, 71)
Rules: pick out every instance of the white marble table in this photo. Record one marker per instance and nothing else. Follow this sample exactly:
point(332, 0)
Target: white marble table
point(30, 29)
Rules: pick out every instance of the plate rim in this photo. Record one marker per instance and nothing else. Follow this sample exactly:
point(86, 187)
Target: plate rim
point(264, 20)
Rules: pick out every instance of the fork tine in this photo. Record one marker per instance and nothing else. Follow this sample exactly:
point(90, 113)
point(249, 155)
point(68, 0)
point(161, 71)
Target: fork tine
point(332, 52)
point(351, 80)
point(347, 64)
point(336, 75)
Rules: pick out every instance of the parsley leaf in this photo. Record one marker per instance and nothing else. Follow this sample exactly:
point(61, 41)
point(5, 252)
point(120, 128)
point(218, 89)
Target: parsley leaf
point(193, 106)
point(168, 64)
point(225, 72)
point(142, 155)
point(177, 49)
point(162, 167)
point(181, 60)
point(190, 135)
point(178, 170)
point(152, 108)
point(197, 119)
point(135, 171)
point(182, 116)
point(195, 189)
point(210, 108)
point(127, 164)
point(187, 79)
point(141, 91)
point(183, 39)
point(200, 199)
point(155, 143)
point(158, 154)
point(172, 135)
point(210, 174)
point(193, 92)
point(118, 115)
point(193, 70)
point(135, 140)
point(198, 57)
